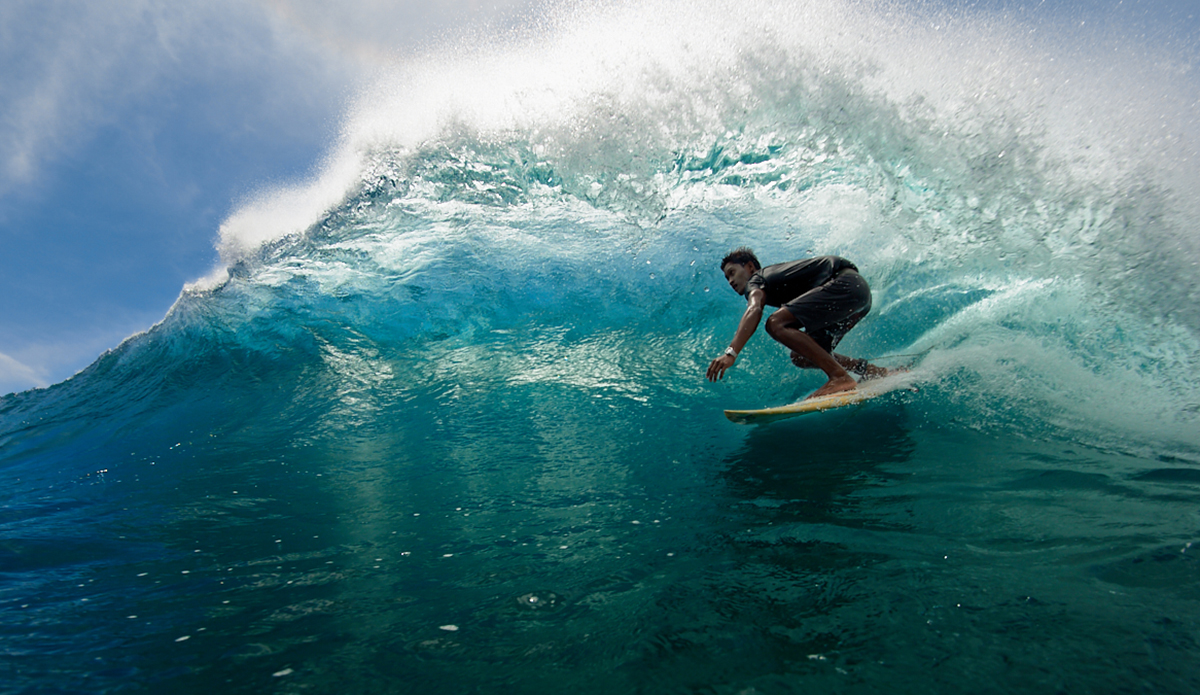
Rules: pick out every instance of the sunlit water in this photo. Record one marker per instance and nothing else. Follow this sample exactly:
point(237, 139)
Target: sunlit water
point(454, 436)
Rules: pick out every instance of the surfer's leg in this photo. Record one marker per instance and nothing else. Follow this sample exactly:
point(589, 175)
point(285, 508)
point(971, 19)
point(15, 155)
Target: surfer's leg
point(862, 368)
point(782, 326)
point(803, 363)
point(813, 324)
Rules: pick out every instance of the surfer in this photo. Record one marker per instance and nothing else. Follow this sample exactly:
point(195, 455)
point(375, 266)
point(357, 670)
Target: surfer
point(820, 299)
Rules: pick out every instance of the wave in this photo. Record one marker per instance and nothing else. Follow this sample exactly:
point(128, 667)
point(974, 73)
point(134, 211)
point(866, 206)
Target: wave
point(440, 420)
point(550, 209)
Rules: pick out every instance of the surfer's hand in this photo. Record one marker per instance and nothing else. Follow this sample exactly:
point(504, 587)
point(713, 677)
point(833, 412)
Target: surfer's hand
point(716, 369)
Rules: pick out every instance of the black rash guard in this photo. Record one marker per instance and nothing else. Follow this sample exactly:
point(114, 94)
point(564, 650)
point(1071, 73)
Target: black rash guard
point(825, 295)
point(783, 282)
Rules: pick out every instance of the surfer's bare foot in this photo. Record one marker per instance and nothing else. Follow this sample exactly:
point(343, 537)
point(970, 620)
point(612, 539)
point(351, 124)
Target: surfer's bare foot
point(835, 385)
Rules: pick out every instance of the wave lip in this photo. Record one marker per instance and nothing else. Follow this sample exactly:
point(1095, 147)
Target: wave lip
point(462, 368)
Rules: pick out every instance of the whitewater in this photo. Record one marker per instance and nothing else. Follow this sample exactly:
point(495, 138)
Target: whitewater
point(438, 422)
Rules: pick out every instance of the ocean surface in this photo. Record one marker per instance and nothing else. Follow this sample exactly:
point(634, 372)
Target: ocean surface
point(439, 422)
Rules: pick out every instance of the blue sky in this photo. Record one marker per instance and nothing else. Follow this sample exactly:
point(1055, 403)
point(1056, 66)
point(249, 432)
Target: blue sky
point(129, 129)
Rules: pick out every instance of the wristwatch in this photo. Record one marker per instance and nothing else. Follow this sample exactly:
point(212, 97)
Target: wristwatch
point(731, 352)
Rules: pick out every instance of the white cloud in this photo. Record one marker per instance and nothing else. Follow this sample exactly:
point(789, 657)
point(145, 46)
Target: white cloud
point(17, 376)
point(71, 68)
point(65, 351)
point(61, 62)
point(66, 66)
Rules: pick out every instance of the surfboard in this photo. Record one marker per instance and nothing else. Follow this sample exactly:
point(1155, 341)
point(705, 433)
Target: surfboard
point(864, 392)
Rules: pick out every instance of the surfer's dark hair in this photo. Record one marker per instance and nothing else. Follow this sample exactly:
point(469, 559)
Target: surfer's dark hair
point(741, 255)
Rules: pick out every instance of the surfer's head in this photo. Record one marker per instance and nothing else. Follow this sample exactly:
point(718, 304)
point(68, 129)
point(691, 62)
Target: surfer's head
point(738, 265)
point(741, 255)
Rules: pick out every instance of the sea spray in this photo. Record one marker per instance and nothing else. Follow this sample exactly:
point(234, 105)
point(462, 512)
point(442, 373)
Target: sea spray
point(463, 365)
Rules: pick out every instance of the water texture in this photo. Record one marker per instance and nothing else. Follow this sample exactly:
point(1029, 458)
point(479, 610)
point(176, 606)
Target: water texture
point(439, 424)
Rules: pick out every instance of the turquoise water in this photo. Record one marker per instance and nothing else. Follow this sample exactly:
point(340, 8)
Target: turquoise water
point(451, 434)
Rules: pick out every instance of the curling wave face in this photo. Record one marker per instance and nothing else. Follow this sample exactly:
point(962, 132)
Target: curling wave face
point(581, 184)
point(503, 287)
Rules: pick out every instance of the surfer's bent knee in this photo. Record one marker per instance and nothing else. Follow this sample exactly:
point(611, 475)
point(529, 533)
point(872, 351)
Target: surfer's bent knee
point(779, 320)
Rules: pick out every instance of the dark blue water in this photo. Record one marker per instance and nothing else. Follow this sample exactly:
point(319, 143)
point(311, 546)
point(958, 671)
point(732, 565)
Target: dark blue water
point(450, 433)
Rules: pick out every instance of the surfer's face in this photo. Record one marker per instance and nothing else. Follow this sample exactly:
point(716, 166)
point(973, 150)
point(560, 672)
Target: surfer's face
point(738, 275)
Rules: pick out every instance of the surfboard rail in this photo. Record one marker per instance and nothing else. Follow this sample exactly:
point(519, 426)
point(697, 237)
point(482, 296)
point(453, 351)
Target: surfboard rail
point(864, 392)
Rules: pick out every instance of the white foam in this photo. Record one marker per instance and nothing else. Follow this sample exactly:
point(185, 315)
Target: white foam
point(593, 80)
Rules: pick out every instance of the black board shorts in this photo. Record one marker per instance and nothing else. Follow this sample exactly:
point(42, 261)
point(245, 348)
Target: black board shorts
point(828, 312)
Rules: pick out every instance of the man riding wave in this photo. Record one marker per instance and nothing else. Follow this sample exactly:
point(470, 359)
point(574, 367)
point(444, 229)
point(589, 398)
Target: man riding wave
point(819, 300)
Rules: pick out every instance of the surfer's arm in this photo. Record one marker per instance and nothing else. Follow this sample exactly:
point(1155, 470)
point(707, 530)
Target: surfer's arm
point(746, 327)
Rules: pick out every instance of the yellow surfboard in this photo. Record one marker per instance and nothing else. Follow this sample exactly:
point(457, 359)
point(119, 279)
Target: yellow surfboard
point(865, 391)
